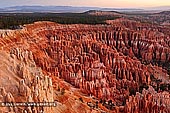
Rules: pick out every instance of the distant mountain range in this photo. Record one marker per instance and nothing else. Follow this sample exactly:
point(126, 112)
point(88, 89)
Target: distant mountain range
point(161, 8)
point(71, 9)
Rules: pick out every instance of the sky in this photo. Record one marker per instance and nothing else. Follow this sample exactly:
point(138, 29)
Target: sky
point(93, 3)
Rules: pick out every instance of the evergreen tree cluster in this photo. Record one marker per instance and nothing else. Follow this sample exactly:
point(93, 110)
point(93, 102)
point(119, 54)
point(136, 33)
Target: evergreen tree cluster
point(13, 20)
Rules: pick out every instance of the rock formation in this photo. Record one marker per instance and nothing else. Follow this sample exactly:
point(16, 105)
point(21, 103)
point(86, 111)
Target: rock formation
point(31, 85)
point(112, 62)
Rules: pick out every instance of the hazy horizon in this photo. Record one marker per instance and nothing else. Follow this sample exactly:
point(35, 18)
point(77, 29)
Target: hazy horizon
point(87, 3)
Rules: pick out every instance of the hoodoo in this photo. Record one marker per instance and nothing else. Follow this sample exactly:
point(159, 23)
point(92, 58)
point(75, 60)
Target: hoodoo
point(124, 66)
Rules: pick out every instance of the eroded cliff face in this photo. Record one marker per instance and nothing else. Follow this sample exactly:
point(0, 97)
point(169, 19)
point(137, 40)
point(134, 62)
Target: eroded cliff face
point(111, 62)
